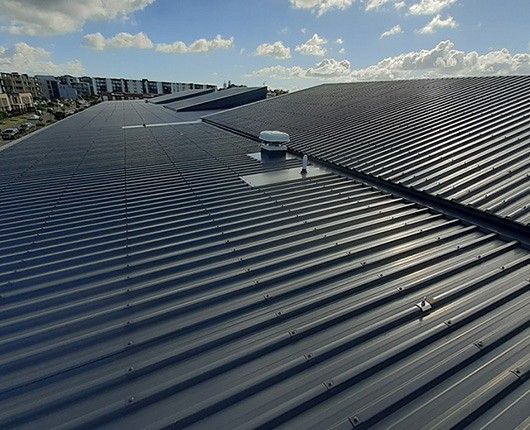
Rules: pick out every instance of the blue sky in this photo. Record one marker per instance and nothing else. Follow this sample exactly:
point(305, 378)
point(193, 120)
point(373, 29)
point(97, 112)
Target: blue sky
point(424, 38)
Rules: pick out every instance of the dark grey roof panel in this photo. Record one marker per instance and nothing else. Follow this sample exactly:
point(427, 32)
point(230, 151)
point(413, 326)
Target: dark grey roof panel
point(180, 95)
point(462, 139)
point(144, 284)
point(222, 99)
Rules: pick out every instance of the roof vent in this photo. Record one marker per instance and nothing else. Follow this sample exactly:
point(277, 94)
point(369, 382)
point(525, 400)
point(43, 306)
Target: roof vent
point(273, 144)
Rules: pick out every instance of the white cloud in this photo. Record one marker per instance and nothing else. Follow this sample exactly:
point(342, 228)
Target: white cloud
point(392, 32)
point(441, 61)
point(120, 41)
point(445, 60)
point(342, 50)
point(374, 5)
point(436, 23)
point(24, 58)
point(314, 46)
point(50, 17)
point(282, 72)
point(199, 46)
point(276, 50)
point(328, 68)
point(320, 7)
point(339, 41)
point(430, 7)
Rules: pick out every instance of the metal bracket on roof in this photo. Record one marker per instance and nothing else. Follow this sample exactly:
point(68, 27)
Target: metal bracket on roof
point(354, 421)
point(424, 305)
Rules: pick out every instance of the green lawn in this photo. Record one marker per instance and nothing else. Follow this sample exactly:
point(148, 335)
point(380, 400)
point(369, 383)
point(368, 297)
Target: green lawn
point(12, 122)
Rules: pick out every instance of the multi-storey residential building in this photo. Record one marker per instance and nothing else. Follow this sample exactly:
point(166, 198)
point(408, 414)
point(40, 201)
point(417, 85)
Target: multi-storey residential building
point(67, 86)
point(16, 102)
point(152, 87)
point(21, 102)
point(134, 86)
point(5, 103)
point(100, 85)
point(90, 82)
point(49, 86)
point(67, 92)
point(19, 83)
point(83, 89)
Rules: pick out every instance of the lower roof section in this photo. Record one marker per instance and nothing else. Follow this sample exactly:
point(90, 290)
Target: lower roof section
point(144, 284)
point(222, 99)
point(180, 95)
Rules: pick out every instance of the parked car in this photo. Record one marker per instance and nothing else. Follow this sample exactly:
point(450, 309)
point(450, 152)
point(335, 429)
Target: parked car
point(10, 133)
point(26, 126)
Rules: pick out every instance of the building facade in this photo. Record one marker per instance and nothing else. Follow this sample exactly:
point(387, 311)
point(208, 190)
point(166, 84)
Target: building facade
point(5, 104)
point(66, 86)
point(67, 92)
point(83, 89)
point(19, 83)
point(16, 102)
point(49, 86)
point(21, 102)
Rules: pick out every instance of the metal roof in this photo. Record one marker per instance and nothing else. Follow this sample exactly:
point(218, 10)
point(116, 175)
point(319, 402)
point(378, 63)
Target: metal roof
point(145, 284)
point(462, 139)
point(135, 112)
point(222, 99)
point(180, 95)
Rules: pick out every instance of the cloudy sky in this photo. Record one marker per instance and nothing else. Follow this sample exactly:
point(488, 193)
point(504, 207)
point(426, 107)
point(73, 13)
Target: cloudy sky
point(283, 43)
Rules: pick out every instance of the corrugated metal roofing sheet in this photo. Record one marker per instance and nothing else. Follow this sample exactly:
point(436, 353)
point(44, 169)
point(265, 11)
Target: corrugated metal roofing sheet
point(463, 139)
point(180, 95)
point(222, 99)
point(145, 285)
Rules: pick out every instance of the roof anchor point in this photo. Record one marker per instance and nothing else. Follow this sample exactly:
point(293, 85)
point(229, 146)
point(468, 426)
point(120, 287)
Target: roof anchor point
point(304, 165)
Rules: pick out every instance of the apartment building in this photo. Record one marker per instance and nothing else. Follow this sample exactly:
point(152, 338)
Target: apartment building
point(101, 85)
point(21, 102)
point(49, 86)
point(16, 102)
point(83, 89)
point(66, 86)
point(19, 83)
